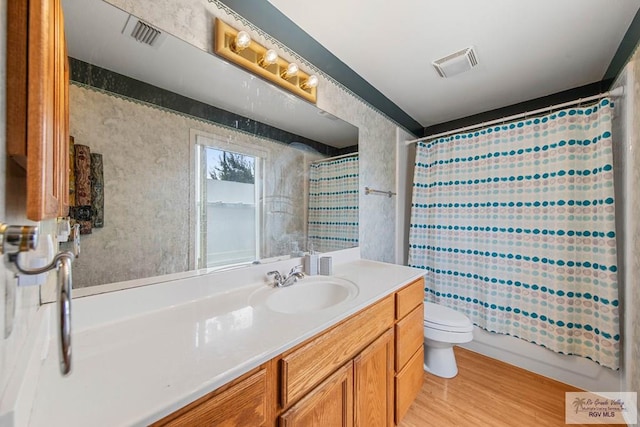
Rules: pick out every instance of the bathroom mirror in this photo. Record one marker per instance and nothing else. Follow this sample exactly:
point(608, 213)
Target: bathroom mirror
point(153, 112)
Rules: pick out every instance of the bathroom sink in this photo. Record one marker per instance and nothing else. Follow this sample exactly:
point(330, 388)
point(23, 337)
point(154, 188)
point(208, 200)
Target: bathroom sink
point(309, 294)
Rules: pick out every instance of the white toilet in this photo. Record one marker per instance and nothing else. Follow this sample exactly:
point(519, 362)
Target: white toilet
point(443, 328)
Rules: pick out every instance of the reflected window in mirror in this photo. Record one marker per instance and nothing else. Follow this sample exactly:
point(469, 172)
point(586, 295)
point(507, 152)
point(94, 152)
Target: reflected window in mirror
point(228, 191)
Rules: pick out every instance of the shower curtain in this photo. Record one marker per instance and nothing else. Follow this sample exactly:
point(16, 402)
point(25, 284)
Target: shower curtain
point(514, 227)
point(333, 204)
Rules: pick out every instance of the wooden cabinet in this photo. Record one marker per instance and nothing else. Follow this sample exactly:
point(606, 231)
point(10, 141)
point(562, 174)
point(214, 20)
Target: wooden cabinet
point(329, 404)
point(331, 349)
point(409, 351)
point(408, 383)
point(373, 383)
point(365, 372)
point(409, 297)
point(365, 342)
point(243, 402)
point(360, 393)
point(37, 93)
point(409, 336)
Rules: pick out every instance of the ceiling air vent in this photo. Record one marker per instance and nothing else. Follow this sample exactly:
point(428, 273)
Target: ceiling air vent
point(143, 32)
point(456, 63)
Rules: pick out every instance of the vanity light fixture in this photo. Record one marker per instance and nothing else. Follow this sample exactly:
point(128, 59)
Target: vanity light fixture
point(238, 48)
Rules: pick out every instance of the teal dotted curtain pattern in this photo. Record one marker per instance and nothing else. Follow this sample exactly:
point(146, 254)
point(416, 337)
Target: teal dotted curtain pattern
point(514, 226)
point(333, 204)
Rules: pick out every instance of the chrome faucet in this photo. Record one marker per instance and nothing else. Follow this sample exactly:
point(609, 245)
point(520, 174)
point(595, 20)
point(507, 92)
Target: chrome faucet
point(281, 281)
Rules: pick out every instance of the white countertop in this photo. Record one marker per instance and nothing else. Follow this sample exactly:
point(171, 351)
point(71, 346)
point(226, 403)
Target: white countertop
point(133, 367)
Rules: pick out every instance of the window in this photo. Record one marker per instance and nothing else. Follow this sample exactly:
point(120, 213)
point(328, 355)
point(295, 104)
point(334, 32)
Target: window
point(227, 194)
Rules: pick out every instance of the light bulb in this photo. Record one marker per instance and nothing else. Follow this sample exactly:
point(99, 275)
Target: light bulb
point(242, 41)
point(292, 70)
point(269, 57)
point(311, 82)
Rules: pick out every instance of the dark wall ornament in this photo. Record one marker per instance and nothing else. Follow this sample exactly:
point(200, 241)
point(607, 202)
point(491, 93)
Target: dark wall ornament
point(97, 191)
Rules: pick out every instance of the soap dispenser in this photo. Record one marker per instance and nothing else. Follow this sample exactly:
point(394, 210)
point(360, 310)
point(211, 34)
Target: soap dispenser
point(310, 263)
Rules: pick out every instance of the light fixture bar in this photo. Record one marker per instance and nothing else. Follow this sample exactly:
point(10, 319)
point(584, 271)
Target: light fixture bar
point(253, 58)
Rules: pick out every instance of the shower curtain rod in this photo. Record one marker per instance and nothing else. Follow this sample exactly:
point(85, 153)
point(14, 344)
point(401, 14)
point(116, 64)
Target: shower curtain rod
point(617, 92)
point(335, 157)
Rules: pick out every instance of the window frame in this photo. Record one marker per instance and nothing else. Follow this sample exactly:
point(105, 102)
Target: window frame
point(200, 139)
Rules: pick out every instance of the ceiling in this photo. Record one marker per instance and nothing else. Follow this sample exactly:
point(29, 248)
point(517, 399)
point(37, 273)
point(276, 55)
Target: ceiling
point(525, 50)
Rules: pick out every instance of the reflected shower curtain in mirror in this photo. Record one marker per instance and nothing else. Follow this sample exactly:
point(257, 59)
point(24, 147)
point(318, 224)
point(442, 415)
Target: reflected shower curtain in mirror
point(514, 227)
point(333, 204)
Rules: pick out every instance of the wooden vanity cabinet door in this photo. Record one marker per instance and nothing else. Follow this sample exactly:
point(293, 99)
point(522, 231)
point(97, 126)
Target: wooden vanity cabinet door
point(408, 384)
point(244, 402)
point(329, 404)
point(373, 383)
point(37, 93)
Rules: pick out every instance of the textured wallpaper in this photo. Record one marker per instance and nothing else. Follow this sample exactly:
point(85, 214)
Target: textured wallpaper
point(147, 187)
point(146, 172)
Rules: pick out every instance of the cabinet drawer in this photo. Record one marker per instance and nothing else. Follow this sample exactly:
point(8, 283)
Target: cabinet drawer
point(408, 384)
point(304, 367)
point(245, 403)
point(409, 297)
point(409, 336)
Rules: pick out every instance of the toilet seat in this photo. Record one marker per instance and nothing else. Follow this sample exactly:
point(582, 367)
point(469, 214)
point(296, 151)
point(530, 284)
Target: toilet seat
point(445, 319)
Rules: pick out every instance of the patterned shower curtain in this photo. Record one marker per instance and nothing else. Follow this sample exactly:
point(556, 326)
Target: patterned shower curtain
point(333, 204)
point(514, 227)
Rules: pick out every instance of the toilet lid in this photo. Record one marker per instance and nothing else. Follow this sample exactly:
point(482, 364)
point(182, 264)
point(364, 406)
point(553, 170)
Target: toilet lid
point(436, 314)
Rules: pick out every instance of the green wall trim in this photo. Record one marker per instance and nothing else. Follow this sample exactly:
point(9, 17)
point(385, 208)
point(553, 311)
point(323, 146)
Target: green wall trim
point(531, 105)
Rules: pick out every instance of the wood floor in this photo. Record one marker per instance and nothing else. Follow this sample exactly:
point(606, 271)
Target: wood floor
point(487, 392)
